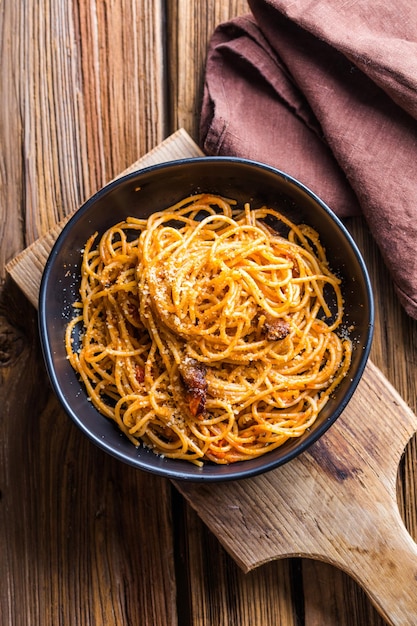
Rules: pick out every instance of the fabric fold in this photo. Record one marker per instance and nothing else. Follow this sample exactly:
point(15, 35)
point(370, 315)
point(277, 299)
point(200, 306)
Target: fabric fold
point(328, 97)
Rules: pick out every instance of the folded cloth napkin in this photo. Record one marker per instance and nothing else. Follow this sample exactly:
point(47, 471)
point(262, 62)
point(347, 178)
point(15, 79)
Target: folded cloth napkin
point(327, 92)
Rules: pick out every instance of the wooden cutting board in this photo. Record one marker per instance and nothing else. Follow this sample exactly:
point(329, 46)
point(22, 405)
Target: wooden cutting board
point(336, 502)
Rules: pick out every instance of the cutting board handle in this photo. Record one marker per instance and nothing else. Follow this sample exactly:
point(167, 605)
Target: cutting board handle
point(378, 552)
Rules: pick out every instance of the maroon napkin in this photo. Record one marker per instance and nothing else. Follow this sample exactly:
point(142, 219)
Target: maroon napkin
point(327, 92)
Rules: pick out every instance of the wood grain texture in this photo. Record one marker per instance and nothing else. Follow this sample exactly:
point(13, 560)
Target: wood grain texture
point(191, 24)
point(87, 88)
point(83, 97)
point(70, 517)
point(268, 595)
point(12, 230)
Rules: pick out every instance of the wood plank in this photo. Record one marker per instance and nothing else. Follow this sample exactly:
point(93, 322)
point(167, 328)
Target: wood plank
point(190, 26)
point(83, 96)
point(331, 597)
point(92, 98)
point(12, 235)
point(268, 595)
point(75, 542)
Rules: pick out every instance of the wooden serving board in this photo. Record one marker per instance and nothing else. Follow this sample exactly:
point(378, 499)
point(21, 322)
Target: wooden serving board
point(336, 502)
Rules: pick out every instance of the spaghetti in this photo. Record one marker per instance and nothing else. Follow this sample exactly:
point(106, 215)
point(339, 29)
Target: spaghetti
point(204, 331)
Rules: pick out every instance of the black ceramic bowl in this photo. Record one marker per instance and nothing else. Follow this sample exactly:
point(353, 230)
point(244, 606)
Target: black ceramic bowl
point(156, 188)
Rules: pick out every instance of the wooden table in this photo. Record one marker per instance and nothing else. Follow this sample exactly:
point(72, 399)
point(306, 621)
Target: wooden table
point(87, 88)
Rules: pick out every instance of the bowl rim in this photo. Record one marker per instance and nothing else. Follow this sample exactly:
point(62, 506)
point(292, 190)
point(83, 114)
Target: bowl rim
point(242, 469)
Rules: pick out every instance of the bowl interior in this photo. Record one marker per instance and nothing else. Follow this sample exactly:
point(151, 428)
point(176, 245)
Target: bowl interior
point(156, 188)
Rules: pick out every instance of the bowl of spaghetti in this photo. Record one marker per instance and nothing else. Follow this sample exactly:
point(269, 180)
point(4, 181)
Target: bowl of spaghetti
point(205, 319)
